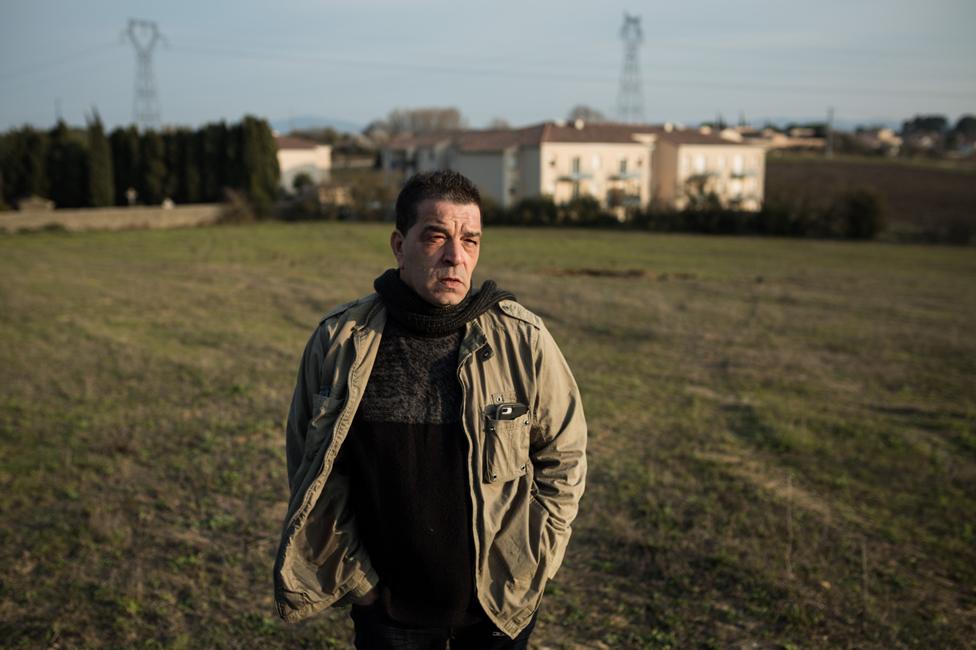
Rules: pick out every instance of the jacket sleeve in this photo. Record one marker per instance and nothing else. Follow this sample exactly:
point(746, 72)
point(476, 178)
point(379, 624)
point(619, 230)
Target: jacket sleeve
point(343, 551)
point(306, 387)
point(558, 446)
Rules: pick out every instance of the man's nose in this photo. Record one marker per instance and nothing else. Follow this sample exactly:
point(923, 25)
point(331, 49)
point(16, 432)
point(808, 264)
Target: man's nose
point(453, 252)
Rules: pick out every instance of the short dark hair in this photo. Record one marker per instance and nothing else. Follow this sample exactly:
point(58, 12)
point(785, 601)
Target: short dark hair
point(440, 185)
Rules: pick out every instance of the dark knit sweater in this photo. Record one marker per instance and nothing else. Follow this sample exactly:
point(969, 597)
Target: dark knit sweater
point(406, 457)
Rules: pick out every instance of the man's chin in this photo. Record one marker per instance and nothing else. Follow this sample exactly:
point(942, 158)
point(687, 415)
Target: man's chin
point(448, 296)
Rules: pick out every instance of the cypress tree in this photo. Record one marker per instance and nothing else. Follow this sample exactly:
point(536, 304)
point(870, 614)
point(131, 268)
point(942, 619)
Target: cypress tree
point(183, 166)
point(260, 163)
point(101, 184)
point(190, 164)
point(126, 164)
point(66, 168)
point(11, 166)
point(232, 169)
point(211, 161)
point(4, 165)
point(152, 168)
point(33, 165)
point(171, 147)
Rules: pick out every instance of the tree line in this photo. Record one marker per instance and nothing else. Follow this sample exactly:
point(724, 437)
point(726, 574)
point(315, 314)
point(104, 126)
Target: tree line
point(85, 167)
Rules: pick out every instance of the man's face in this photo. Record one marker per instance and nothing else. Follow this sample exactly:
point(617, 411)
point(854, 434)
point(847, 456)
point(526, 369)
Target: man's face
point(438, 253)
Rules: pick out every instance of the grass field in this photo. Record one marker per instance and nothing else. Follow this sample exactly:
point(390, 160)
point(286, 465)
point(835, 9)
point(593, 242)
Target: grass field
point(782, 442)
point(931, 200)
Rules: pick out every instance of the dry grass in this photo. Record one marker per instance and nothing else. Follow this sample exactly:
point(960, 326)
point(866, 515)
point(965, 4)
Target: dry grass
point(783, 449)
point(933, 199)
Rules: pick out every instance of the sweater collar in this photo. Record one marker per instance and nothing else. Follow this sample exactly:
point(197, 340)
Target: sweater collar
point(420, 317)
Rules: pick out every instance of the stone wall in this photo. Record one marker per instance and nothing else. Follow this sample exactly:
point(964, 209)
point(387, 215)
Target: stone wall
point(182, 216)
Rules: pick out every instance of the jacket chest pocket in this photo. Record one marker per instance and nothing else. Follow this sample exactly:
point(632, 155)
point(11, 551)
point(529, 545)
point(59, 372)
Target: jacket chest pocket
point(506, 445)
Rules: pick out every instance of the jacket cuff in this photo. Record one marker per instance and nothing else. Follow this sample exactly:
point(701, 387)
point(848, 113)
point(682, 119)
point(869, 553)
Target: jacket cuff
point(366, 584)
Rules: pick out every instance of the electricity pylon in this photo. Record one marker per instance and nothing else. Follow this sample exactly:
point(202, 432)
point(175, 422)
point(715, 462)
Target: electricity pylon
point(144, 35)
point(630, 99)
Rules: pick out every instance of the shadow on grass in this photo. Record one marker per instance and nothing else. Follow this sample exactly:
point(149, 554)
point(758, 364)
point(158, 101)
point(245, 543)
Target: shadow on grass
point(688, 597)
point(746, 424)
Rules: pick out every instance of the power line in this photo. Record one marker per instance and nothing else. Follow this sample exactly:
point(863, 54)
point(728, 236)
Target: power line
point(264, 55)
point(72, 58)
point(50, 67)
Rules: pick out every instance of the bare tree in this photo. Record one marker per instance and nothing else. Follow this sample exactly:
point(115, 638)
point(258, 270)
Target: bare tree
point(424, 120)
point(499, 123)
point(585, 113)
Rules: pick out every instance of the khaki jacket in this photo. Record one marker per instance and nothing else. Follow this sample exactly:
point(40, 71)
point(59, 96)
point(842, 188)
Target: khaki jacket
point(526, 475)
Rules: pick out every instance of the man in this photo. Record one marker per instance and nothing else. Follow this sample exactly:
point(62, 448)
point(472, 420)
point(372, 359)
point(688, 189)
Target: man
point(435, 444)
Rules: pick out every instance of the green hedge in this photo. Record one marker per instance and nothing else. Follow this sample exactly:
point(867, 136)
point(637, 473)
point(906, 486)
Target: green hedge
point(853, 214)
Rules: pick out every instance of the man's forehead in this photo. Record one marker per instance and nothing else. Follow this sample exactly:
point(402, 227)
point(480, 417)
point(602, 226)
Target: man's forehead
point(444, 213)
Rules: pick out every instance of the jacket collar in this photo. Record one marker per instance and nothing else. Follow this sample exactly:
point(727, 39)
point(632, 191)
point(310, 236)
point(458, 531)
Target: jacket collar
point(474, 338)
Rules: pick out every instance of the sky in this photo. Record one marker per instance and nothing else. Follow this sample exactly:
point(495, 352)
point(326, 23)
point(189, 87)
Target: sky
point(871, 61)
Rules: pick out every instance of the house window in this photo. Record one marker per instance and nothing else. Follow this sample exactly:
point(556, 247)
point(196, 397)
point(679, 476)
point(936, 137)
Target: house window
point(576, 165)
point(597, 162)
point(737, 163)
point(700, 164)
point(623, 165)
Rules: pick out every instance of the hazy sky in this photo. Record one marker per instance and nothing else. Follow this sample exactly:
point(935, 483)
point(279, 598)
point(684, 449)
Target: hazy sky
point(523, 61)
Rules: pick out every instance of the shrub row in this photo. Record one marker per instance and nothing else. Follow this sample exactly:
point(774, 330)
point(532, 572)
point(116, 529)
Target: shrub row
point(852, 214)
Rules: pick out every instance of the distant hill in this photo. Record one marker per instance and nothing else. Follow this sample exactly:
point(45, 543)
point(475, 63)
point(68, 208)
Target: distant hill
point(315, 122)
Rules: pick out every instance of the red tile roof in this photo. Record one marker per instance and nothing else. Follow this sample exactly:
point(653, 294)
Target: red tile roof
point(410, 140)
point(499, 139)
point(596, 132)
point(291, 142)
point(693, 136)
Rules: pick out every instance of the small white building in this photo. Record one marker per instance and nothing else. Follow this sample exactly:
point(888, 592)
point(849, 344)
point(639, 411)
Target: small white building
point(297, 156)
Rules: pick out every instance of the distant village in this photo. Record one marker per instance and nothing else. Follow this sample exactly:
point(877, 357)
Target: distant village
point(582, 169)
point(622, 166)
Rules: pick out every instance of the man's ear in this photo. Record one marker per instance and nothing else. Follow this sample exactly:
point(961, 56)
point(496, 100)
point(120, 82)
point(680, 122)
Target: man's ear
point(396, 245)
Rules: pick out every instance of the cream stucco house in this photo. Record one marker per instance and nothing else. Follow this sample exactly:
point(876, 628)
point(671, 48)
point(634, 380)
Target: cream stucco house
point(621, 165)
point(297, 156)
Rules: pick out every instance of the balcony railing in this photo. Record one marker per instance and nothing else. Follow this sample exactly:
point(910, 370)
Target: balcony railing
point(746, 173)
point(624, 176)
point(575, 177)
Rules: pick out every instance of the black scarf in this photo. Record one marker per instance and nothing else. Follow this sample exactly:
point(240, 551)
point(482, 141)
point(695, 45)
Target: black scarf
point(421, 317)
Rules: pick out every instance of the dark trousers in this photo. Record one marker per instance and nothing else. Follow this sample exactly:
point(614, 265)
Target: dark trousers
point(376, 631)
